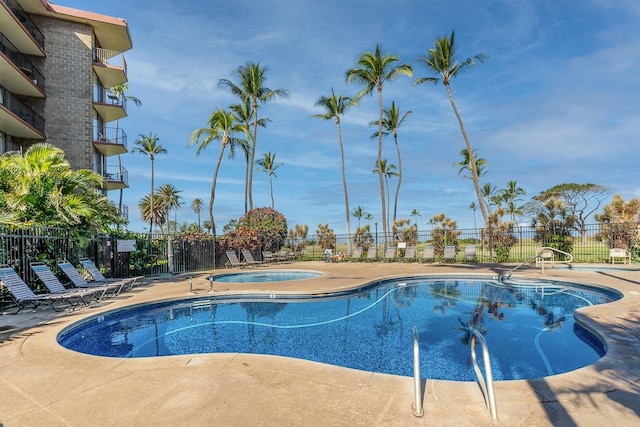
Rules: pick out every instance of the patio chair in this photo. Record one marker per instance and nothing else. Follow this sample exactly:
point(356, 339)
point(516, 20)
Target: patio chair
point(285, 256)
point(51, 282)
point(356, 254)
point(23, 296)
point(98, 277)
point(390, 253)
point(233, 260)
point(449, 253)
point(470, 253)
point(248, 258)
point(619, 253)
point(429, 254)
point(269, 257)
point(111, 288)
point(544, 255)
point(409, 253)
point(372, 253)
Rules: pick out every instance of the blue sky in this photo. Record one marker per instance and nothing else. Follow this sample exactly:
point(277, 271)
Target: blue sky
point(556, 102)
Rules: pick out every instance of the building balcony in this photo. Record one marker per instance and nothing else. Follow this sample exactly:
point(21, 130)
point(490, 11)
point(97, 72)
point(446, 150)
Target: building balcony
point(122, 210)
point(17, 73)
point(108, 105)
point(110, 141)
point(18, 27)
point(110, 66)
point(19, 120)
point(114, 177)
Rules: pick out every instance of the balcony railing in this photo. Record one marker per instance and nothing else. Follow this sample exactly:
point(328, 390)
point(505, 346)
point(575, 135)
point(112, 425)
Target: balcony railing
point(21, 62)
point(123, 210)
point(18, 108)
point(26, 22)
point(110, 135)
point(116, 174)
point(105, 96)
point(110, 57)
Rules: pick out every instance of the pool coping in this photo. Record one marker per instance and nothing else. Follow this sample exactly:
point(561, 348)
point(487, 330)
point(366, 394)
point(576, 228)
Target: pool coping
point(605, 391)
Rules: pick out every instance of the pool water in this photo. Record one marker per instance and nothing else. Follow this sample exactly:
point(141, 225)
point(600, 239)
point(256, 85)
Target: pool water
point(529, 327)
point(266, 276)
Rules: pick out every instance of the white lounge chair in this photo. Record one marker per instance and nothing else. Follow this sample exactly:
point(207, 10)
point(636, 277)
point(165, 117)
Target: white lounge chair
point(409, 253)
point(429, 254)
point(470, 253)
point(619, 253)
point(449, 253)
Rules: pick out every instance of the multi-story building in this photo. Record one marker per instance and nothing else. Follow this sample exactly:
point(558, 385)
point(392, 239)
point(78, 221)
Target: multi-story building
point(62, 72)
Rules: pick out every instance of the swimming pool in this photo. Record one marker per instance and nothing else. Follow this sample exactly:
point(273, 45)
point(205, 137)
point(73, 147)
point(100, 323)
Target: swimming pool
point(266, 276)
point(529, 327)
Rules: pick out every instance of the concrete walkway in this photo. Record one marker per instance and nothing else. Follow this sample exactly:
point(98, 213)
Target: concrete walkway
point(43, 384)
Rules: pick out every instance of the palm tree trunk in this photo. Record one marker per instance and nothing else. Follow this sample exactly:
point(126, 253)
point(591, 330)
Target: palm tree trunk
point(382, 198)
point(472, 159)
point(253, 151)
point(151, 206)
point(395, 201)
point(271, 191)
point(346, 194)
point(213, 192)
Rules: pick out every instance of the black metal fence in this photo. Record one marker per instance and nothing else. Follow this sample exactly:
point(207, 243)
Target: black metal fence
point(146, 255)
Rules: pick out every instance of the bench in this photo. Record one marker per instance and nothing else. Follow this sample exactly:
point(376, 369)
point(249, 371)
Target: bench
point(619, 253)
point(544, 255)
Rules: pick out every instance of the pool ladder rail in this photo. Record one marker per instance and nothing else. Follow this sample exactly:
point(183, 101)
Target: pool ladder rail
point(486, 384)
point(540, 260)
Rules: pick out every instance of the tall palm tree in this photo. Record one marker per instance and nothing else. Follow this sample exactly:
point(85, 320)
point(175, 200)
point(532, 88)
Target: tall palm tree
point(511, 195)
point(415, 213)
point(244, 115)
point(196, 206)
point(388, 171)
point(374, 68)
point(222, 126)
point(335, 106)
point(170, 196)
point(441, 60)
point(120, 92)
point(148, 145)
point(251, 88)
point(268, 165)
point(391, 122)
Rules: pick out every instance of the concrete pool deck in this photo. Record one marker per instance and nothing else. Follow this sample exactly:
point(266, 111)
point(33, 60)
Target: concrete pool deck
point(43, 384)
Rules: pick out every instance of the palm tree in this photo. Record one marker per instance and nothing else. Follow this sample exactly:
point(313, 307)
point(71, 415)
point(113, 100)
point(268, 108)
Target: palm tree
point(119, 91)
point(335, 106)
point(148, 145)
point(415, 213)
point(388, 171)
point(268, 165)
point(511, 195)
point(391, 123)
point(473, 207)
point(359, 213)
point(441, 60)
point(374, 69)
point(222, 125)
point(170, 200)
point(251, 88)
point(196, 206)
point(152, 210)
point(464, 165)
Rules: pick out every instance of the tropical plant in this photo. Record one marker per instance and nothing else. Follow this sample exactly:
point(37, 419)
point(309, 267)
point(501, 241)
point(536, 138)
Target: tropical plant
point(196, 206)
point(391, 122)
point(441, 60)
point(510, 196)
point(252, 89)
point(335, 106)
point(619, 223)
point(152, 210)
point(263, 228)
point(359, 213)
point(170, 197)
point(415, 213)
point(148, 145)
point(222, 126)
point(404, 231)
point(39, 188)
point(553, 224)
point(326, 237)
point(444, 233)
point(464, 165)
point(363, 237)
point(268, 165)
point(374, 69)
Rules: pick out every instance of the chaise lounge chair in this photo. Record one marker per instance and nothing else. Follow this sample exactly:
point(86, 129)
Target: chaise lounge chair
point(54, 285)
point(409, 253)
point(23, 296)
point(233, 260)
point(111, 288)
point(470, 253)
point(390, 253)
point(356, 254)
point(98, 277)
point(372, 253)
point(449, 253)
point(429, 254)
point(249, 258)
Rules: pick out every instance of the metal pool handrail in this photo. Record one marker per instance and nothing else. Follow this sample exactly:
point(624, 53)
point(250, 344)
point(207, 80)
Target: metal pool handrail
point(486, 386)
point(418, 410)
